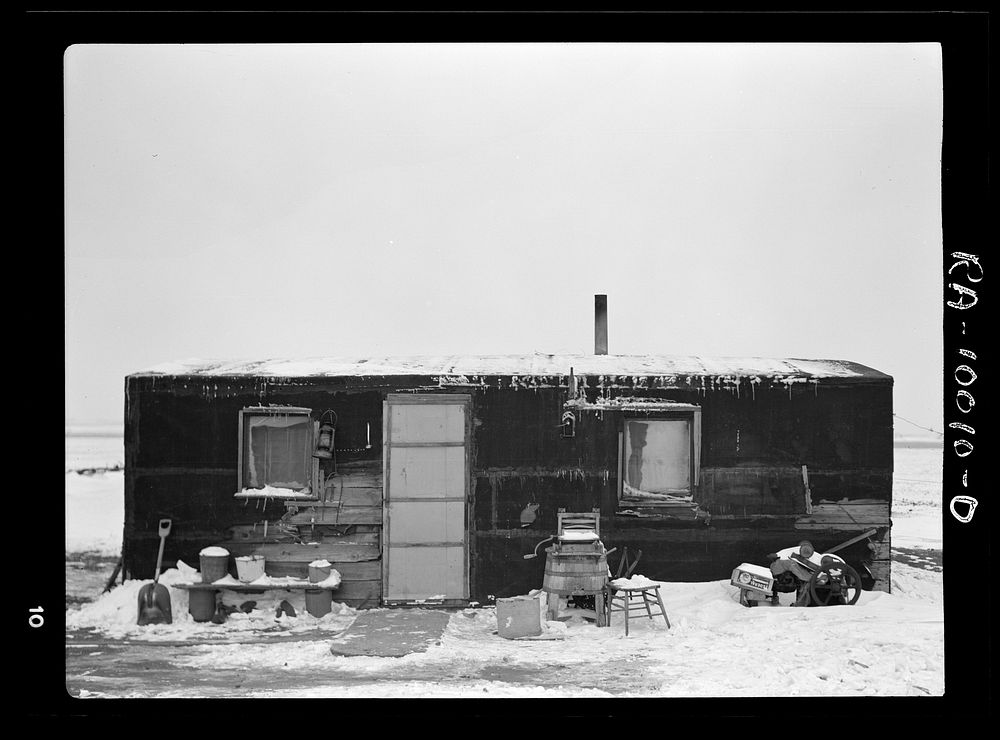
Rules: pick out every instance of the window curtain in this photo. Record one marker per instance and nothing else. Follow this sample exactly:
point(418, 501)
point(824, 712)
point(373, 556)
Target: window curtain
point(279, 452)
point(658, 459)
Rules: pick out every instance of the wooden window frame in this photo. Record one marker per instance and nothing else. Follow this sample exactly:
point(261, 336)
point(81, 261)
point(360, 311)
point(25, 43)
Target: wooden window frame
point(306, 413)
point(693, 416)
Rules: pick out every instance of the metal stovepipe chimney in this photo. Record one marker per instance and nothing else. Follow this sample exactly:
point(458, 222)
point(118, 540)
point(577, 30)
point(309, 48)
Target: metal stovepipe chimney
point(600, 324)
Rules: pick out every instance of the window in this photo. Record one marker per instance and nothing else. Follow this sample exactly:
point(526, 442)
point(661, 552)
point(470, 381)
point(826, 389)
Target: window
point(276, 446)
point(660, 458)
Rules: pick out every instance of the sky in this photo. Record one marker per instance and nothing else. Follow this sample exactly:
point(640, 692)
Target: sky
point(265, 201)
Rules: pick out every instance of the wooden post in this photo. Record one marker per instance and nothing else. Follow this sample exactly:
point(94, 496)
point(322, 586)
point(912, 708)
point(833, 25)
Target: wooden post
point(114, 575)
point(805, 482)
point(551, 605)
point(851, 541)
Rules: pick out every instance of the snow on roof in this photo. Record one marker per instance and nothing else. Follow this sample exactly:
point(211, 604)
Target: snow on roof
point(537, 364)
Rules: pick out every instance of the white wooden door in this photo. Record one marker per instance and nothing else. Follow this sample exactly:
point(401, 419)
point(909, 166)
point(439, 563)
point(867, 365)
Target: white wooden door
point(426, 479)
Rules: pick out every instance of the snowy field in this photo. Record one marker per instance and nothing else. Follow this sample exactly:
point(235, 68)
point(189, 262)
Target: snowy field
point(885, 645)
point(95, 497)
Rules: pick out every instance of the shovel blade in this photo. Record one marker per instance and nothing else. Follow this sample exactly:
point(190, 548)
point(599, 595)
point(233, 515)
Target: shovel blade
point(154, 605)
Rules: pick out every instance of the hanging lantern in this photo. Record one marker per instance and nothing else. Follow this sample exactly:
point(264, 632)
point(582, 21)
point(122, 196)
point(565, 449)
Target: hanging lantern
point(324, 444)
point(568, 424)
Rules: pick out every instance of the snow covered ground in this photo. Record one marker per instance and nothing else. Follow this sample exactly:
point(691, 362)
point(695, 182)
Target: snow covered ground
point(885, 645)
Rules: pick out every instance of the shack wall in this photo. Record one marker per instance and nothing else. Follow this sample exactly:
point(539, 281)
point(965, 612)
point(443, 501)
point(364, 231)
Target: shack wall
point(751, 498)
point(182, 457)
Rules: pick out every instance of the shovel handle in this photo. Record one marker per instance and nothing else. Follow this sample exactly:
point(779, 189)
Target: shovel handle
point(164, 531)
point(159, 559)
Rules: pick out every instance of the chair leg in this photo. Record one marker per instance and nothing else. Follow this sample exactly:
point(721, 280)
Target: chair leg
point(628, 608)
point(645, 603)
point(663, 609)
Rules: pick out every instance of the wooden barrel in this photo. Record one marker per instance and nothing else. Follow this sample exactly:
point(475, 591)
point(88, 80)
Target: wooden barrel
point(575, 574)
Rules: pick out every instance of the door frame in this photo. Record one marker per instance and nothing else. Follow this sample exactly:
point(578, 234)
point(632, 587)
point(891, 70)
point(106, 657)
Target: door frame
point(422, 399)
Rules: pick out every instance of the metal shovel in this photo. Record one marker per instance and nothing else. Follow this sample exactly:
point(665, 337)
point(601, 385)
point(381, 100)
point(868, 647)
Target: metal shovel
point(154, 598)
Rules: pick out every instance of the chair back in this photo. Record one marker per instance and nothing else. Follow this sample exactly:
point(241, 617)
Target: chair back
point(626, 565)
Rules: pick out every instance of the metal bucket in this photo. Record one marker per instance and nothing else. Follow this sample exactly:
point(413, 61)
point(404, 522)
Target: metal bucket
point(319, 570)
point(214, 563)
point(249, 567)
point(319, 601)
point(201, 604)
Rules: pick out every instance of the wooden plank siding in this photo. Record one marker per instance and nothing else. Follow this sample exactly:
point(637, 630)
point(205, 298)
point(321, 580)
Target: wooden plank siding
point(351, 500)
point(333, 515)
point(360, 586)
point(752, 490)
point(337, 495)
point(334, 551)
point(844, 516)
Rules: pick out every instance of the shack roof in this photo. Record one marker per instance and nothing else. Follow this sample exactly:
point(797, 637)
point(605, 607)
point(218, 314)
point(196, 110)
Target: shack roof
point(537, 364)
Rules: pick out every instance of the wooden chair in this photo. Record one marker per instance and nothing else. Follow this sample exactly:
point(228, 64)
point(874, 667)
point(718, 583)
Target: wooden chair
point(630, 599)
